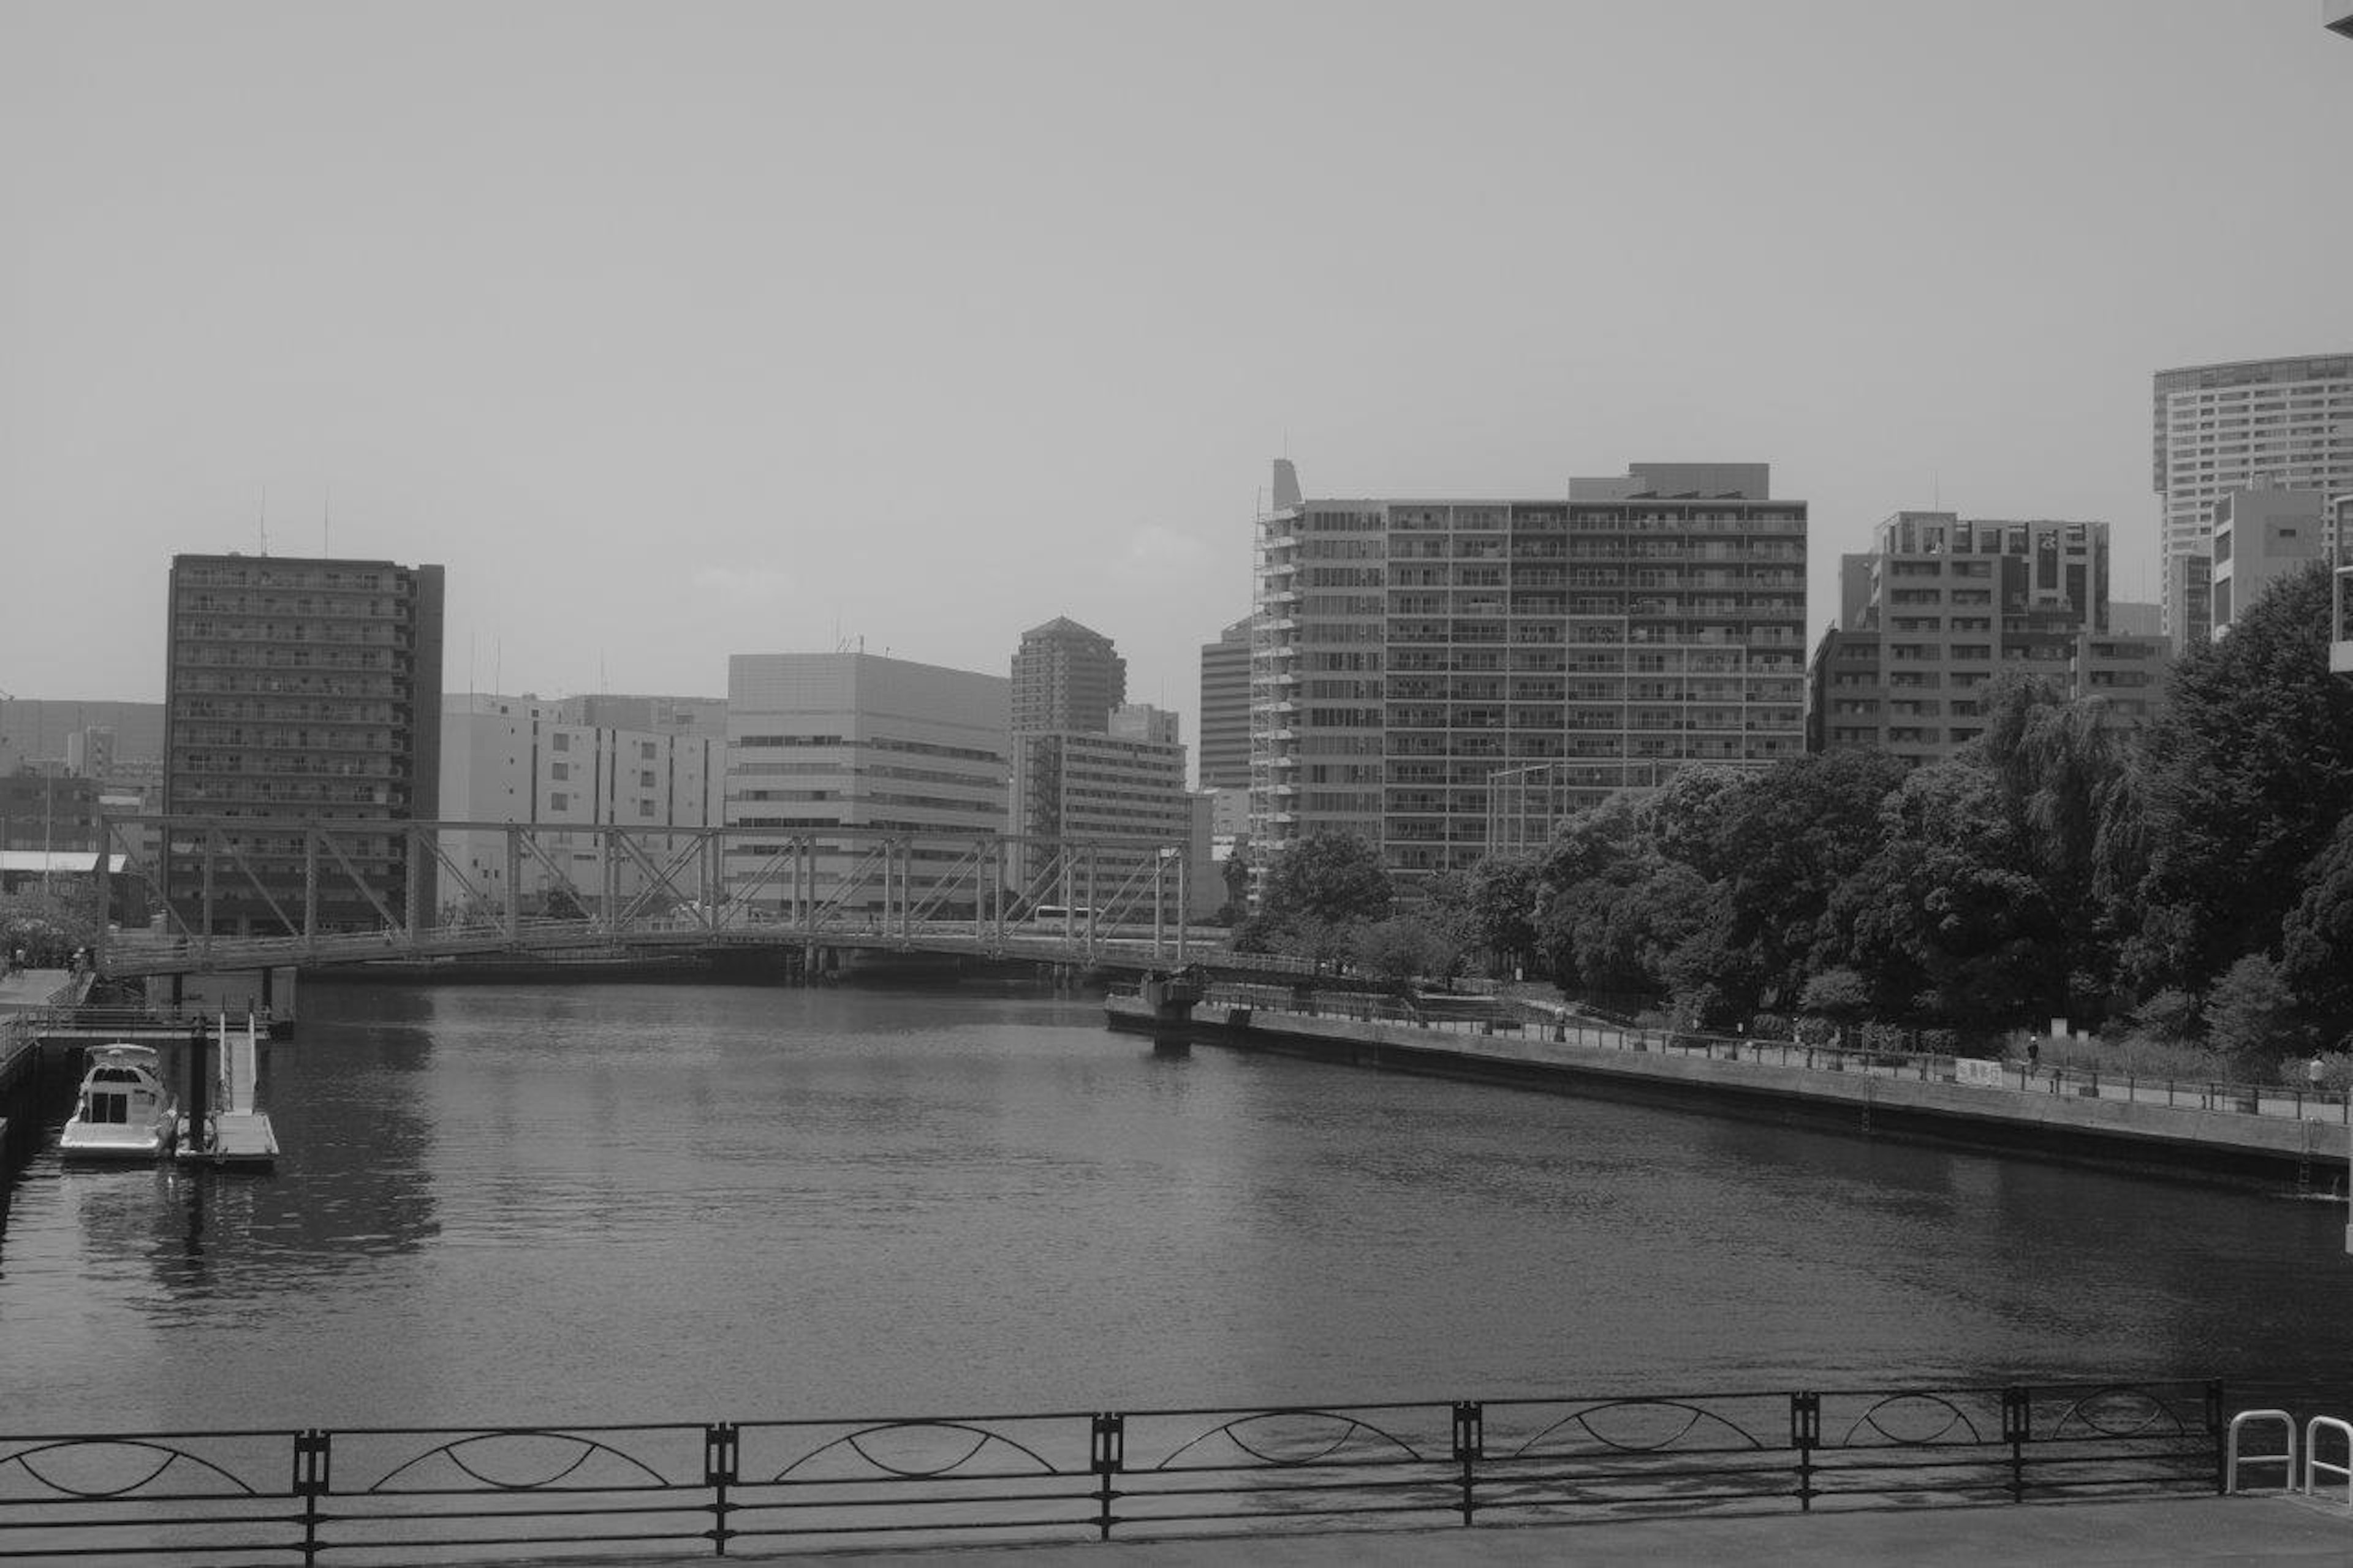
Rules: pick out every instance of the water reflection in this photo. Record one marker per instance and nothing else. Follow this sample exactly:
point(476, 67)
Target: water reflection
point(517, 1203)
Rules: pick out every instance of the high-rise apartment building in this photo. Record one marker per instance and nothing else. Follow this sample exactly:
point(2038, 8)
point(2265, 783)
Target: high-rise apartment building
point(1942, 605)
point(2277, 424)
point(1066, 677)
point(1415, 662)
point(299, 690)
point(832, 741)
point(1224, 728)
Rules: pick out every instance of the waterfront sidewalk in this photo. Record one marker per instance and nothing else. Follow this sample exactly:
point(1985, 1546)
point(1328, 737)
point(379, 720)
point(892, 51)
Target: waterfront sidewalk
point(25, 989)
point(2256, 1529)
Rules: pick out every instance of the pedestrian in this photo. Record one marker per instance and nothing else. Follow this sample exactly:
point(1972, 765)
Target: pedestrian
point(2033, 1055)
point(2313, 1070)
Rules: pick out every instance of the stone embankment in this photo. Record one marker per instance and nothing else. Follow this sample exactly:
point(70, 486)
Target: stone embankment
point(2273, 1137)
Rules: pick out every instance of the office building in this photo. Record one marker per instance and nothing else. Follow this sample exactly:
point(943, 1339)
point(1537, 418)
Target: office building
point(300, 690)
point(822, 743)
point(1224, 728)
point(1091, 813)
point(1941, 605)
point(1418, 662)
point(2276, 424)
point(1066, 678)
point(523, 760)
point(2261, 536)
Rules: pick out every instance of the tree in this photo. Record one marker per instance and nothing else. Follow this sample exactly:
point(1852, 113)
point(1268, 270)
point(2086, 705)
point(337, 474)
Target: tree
point(1785, 842)
point(1337, 878)
point(2317, 939)
point(1945, 921)
point(1491, 908)
point(2246, 775)
point(1235, 870)
point(1405, 948)
point(2252, 1014)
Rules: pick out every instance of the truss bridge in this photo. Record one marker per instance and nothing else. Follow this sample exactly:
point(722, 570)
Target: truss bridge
point(233, 893)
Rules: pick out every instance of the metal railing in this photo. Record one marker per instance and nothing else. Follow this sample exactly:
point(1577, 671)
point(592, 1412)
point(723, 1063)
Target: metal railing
point(2284, 1101)
point(493, 1493)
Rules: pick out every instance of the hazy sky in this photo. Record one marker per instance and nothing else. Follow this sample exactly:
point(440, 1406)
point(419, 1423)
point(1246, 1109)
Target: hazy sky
point(674, 331)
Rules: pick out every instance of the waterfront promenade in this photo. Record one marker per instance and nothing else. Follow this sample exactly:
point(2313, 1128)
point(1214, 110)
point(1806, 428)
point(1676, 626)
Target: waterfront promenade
point(2275, 1134)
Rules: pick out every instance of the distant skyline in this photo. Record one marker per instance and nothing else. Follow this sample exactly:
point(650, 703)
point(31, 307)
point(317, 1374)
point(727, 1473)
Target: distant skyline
point(680, 332)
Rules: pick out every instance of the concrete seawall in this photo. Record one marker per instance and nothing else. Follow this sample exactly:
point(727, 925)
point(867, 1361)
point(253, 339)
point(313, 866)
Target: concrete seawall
point(2197, 1136)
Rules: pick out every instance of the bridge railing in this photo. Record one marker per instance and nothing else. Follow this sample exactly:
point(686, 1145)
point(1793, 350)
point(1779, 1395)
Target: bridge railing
point(476, 1494)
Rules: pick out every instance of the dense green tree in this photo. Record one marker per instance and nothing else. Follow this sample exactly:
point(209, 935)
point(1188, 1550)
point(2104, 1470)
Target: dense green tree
point(1492, 907)
point(1337, 878)
point(2316, 941)
point(1786, 841)
point(2253, 1014)
point(2066, 771)
point(1946, 922)
point(2245, 777)
point(1405, 948)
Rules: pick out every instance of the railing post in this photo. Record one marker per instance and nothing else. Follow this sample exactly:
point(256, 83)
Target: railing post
point(719, 1452)
point(313, 1470)
point(1108, 1457)
point(1804, 1436)
point(2017, 1426)
point(1470, 1447)
point(2214, 1429)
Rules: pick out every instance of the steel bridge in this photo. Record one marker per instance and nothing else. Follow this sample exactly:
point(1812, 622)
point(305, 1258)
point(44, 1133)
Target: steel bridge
point(241, 893)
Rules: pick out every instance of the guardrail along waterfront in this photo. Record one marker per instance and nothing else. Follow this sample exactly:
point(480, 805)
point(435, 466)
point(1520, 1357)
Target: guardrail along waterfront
point(488, 1493)
point(1531, 1021)
point(2245, 1131)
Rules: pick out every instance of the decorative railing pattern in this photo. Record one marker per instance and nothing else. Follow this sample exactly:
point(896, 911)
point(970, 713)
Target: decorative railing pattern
point(486, 1494)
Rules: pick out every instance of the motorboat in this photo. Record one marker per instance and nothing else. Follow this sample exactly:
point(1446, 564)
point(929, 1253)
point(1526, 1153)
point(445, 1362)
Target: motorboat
point(233, 1129)
point(124, 1112)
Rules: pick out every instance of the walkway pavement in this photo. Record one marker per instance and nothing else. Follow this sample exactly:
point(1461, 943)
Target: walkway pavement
point(32, 988)
point(2198, 1531)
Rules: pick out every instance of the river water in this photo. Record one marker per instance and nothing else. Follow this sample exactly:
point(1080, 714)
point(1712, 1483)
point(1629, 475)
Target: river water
point(531, 1204)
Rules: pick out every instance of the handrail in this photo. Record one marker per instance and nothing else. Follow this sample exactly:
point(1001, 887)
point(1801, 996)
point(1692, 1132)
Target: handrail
point(2313, 1461)
point(2233, 1459)
point(505, 1494)
point(2283, 1103)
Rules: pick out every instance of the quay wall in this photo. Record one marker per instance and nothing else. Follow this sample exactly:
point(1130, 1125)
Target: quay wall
point(2196, 1136)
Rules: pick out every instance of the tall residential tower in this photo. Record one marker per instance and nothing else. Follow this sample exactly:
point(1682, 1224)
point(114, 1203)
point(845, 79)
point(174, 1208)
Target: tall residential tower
point(297, 691)
point(1066, 677)
point(1438, 676)
point(2272, 424)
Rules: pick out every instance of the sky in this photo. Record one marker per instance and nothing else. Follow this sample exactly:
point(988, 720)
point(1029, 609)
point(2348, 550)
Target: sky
point(673, 331)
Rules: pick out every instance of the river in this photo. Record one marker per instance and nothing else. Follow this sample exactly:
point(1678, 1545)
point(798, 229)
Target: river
point(528, 1205)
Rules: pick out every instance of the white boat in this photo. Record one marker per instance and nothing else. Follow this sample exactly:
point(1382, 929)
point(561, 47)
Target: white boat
point(124, 1112)
point(234, 1131)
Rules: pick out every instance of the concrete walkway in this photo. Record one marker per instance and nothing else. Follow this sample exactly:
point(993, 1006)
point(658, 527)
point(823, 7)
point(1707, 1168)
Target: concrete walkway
point(26, 988)
point(2184, 1531)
